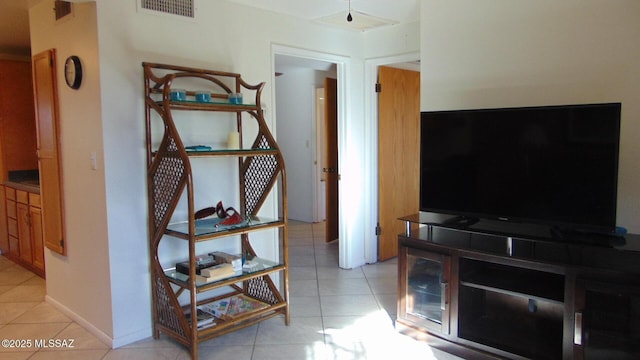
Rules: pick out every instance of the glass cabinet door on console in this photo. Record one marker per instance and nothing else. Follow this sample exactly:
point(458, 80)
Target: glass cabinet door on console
point(424, 290)
point(607, 321)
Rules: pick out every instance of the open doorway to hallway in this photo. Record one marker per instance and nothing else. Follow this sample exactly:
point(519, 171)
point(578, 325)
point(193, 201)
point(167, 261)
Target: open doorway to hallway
point(306, 127)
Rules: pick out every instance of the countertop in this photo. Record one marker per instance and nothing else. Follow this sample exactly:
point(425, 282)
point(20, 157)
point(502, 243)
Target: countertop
point(32, 186)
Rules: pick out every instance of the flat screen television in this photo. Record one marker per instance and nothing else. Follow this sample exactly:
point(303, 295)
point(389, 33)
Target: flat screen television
point(551, 165)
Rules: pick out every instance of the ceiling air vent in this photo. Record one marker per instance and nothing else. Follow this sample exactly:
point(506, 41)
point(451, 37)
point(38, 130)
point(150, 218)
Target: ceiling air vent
point(174, 7)
point(62, 9)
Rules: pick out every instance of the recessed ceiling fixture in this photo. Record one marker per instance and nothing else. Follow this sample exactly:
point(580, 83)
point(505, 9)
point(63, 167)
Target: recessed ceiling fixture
point(360, 21)
point(349, 17)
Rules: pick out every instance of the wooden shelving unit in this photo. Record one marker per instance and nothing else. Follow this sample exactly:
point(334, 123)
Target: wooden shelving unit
point(170, 174)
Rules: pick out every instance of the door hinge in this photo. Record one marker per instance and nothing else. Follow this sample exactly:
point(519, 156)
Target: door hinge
point(378, 87)
point(378, 230)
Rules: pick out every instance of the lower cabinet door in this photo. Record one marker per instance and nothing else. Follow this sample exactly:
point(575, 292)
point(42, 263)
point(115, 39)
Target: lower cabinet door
point(606, 320)
point(24, 232)
point(424, 289)
point(37, 237)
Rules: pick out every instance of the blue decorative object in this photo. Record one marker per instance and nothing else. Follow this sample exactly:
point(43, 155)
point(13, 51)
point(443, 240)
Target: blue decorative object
point(203, 96)
point(235, 98)
point(178, 94)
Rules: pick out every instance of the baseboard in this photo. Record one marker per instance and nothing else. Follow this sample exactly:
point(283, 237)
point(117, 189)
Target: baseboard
point(131, 338)
point(108, 340)
point(113, 343)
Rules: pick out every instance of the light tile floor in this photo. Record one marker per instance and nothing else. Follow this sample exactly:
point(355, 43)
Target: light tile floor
point(335, 314)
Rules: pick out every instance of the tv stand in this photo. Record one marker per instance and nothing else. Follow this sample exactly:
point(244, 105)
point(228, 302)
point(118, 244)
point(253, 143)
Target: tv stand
point(491, 294)
point(462, 221)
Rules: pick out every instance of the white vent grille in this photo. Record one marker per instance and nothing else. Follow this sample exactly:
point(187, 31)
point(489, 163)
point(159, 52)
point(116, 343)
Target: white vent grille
point(174, 7)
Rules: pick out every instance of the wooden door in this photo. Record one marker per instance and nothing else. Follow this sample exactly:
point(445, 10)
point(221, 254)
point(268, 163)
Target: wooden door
point(49, 162)
point(331, 158)
point(398, 154)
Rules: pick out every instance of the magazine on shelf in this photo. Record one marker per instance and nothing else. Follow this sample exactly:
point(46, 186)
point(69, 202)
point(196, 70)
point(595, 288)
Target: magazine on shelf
point(231, 307)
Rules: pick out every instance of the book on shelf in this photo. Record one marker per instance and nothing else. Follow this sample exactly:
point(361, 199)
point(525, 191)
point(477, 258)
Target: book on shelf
point(218, 270)
point(223, 257)
point(205, 319)
point(202, 262)
point(231, 307)
point(215, 273)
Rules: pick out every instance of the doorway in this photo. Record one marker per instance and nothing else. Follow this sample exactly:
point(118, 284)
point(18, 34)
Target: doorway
point(307, 124)
point(297, 135)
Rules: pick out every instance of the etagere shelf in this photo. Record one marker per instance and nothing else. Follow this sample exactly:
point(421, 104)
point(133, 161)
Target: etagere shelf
point(170, 174)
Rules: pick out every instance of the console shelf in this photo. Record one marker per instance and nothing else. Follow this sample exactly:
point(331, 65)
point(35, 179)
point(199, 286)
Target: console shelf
point(509, 295)
point(171, 167)
point(514, 281)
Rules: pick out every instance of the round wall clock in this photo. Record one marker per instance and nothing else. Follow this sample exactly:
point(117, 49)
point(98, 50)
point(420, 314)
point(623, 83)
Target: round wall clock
point(73, 72)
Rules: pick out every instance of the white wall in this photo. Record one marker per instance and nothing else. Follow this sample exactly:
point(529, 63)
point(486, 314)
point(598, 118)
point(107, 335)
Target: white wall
point(86, 265)
point(497, 53)
point(223, 36)
point(104, 281)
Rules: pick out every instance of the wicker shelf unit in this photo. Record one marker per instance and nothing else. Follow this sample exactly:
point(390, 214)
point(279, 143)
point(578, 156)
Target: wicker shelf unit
point(170, 174)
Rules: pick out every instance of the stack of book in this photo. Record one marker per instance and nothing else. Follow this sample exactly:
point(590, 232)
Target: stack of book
point(223, 257)
point(205, 319)
point(215, 273)
point(212, 267)
point(202, 262)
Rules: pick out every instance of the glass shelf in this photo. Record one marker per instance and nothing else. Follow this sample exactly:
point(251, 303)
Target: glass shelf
point(232, 152)
point(212, 105)
point(208, 102)
point(210, 227)
point(263, 265)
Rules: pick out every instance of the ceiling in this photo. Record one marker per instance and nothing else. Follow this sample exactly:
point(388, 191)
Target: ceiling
point(367, 14)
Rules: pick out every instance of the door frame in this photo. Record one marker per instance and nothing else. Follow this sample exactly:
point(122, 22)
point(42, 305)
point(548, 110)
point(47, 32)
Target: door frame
point(371, 147)
point(346, 257)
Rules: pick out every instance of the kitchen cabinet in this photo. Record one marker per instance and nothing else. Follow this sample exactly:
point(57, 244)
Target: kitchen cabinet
point(24, 227)
point(17, 118)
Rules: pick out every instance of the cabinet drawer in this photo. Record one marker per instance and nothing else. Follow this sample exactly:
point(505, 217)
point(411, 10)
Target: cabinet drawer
point(11, 193)
point(34, 199)
point(11, 209)
point(12, 226)
point(22, 197)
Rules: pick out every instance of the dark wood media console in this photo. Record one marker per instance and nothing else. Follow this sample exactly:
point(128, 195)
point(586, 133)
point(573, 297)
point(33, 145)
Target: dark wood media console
point(479, 290)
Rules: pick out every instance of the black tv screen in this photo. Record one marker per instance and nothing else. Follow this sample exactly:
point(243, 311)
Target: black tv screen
point(554, 165)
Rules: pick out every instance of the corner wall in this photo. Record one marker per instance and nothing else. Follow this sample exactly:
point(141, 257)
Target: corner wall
point(493, 53)
point(79, 283)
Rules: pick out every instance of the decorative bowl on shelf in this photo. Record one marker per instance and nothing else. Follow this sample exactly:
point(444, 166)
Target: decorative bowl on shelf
point(203, 96)
point(178, 94)
point(235, 98)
